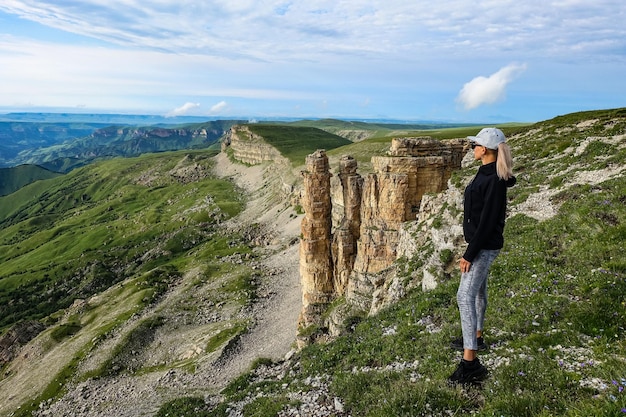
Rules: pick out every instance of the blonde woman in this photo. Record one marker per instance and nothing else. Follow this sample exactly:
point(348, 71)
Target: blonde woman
point(483, 225)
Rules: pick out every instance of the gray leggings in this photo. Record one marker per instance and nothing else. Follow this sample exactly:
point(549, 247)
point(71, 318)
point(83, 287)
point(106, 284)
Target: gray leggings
point(472, 296)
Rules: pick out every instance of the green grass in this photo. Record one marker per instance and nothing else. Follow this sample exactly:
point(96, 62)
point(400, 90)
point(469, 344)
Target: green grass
point(186, 407)
point(12, 179)
point(225, 335)
point(66, 240)
point(295, 143)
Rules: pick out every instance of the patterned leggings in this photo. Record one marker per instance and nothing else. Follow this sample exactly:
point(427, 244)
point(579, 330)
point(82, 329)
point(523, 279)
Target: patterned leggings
point(472, 296)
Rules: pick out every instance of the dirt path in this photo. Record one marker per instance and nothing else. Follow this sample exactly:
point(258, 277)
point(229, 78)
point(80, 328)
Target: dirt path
point(273, 334)
point(280, 298)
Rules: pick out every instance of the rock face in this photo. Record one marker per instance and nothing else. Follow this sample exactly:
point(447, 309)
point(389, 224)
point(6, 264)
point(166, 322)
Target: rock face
point(241, 144)
point(347, 233)
point(349, 258)
point(13, 340)
point(248, 147)
point(316, 264)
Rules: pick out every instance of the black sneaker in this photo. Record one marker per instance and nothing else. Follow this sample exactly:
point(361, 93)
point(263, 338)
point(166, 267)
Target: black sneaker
point(457, 344)
point(468, 373)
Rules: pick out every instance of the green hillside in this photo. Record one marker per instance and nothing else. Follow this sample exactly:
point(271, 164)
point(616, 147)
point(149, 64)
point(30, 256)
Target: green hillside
point(70, 237)
point(295, 143)
point(91, 254)
point(12, 179)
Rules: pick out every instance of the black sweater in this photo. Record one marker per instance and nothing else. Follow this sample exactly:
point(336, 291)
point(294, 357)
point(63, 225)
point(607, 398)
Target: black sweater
point(484, 211)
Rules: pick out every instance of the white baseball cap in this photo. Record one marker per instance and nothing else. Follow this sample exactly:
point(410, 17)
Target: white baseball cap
point(489, 137)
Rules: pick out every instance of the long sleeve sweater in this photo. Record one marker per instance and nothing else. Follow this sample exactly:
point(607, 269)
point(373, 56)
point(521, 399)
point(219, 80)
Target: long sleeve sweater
point(484, 211)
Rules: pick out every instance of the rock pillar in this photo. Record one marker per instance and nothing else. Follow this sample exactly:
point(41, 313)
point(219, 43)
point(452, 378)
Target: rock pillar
point(316, 266)
point(347, 234)
point(354, 257)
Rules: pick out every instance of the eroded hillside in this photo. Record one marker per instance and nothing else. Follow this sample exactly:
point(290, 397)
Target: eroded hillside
point(156, 277)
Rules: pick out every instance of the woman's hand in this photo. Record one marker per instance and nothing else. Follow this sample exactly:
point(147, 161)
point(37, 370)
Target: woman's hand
point(465, 265)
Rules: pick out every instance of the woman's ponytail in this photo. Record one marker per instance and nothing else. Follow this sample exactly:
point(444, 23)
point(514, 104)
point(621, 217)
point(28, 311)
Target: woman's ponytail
point(504, 163)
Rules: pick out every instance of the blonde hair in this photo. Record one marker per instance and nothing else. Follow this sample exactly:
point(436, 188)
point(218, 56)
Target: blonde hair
point(504, 162)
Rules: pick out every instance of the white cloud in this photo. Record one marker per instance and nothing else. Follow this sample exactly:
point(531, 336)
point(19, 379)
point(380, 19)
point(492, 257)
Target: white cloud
point(219, 107)
point(182, 110)
point(488, 90)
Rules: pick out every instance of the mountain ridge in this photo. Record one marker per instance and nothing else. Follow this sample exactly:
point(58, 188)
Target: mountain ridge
point(14, 178)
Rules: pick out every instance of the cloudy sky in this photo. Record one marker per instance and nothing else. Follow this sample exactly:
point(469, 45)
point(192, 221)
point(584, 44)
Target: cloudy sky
point(456, 60)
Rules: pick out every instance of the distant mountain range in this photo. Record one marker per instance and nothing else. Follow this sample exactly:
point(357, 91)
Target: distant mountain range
point(35, 146)
point(107, 119)
point(61, 142)
point(62, 145)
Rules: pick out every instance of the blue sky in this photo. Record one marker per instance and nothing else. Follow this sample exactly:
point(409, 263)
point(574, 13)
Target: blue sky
point(461, 61)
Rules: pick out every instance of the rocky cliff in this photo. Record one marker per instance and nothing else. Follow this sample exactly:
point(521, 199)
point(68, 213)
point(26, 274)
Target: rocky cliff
point(249, 148)
point(348, 256)
point(19, 335)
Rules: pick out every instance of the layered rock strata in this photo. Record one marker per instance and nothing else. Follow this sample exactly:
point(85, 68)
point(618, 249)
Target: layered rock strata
point(348, 258)
point(248, 147)
point(316, 264)
point(348, 231)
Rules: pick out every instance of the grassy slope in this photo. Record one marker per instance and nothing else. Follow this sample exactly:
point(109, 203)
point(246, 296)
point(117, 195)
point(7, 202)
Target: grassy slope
point(555, 320)
point(295, 143)
point(118, 234)
point(73, 236)
point(12, 179)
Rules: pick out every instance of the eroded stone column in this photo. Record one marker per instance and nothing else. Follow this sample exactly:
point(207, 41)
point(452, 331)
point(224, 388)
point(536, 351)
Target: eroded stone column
point(347, 234)
point(391, 196)
point(316, 266)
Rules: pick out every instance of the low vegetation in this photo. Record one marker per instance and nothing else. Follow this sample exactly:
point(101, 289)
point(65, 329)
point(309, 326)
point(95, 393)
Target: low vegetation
point(12, 179)
point(74, 236)
point(295, 143)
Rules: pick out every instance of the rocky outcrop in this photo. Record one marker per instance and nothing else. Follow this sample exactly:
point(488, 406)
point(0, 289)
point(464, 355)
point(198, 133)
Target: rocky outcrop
point(349, 258)
point(242, 145)
point(249, 148)
point(13, 340)
point(347, 233)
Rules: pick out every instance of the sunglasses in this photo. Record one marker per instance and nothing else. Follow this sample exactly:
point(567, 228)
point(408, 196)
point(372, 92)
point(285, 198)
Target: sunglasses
point(474, 144)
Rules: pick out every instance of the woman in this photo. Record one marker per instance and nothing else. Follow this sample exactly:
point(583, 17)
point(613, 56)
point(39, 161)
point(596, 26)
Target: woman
point(483, 225)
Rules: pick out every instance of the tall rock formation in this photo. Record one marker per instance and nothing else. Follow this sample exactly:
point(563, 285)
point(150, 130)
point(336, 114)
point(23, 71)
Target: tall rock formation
point(347, 233)
point(316, 265)
point(365, 236)
point(392, 195)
